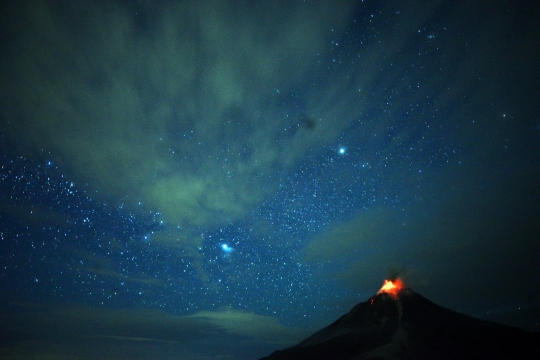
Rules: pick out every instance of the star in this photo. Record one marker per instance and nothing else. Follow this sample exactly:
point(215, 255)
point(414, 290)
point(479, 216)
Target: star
point(342, 150)
point(226, 248)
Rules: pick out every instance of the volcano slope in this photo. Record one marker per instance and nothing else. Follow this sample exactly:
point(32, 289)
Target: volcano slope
point(408, 326)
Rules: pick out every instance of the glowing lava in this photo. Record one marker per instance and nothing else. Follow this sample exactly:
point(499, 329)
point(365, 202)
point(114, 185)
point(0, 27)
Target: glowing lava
point(391, 287)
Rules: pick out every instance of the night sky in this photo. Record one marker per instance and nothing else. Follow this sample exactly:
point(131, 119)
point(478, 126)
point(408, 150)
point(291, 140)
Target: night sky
point(194, 179)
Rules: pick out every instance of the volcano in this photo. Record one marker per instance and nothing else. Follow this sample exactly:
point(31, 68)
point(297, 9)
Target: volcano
point(404, 325)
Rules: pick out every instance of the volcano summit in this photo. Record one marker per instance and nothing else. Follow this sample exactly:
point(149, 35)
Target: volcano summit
point(402, 324)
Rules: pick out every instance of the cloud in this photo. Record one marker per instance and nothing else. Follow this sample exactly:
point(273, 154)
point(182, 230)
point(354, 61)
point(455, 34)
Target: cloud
point(361, 251)
point(368, 231)
point(83, 331)
point(192, 109)
point(461, 239)
point(247, 324)
point(173, 107)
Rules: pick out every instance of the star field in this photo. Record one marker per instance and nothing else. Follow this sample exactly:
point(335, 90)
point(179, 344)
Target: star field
point(225, 179)
point(114, 261)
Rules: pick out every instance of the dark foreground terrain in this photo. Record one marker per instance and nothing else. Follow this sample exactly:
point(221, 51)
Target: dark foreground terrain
point(411, 327)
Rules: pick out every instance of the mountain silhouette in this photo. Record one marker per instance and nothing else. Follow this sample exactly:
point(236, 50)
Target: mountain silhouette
point(405, 325)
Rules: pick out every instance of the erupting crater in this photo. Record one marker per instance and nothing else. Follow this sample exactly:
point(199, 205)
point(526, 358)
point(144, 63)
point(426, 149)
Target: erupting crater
point(392, 287)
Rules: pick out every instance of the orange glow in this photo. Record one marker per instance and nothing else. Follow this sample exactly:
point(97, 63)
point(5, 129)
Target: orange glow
point(391, 287)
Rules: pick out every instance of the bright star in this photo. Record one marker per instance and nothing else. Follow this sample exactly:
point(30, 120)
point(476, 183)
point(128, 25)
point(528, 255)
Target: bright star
point(342, 150)
point(226, 248)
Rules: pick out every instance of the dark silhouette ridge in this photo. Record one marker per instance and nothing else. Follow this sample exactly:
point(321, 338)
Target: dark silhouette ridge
point(412, 327)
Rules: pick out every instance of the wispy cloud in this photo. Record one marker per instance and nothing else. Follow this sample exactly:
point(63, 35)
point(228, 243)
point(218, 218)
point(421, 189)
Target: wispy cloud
point(173, 107)
point(77, 331)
